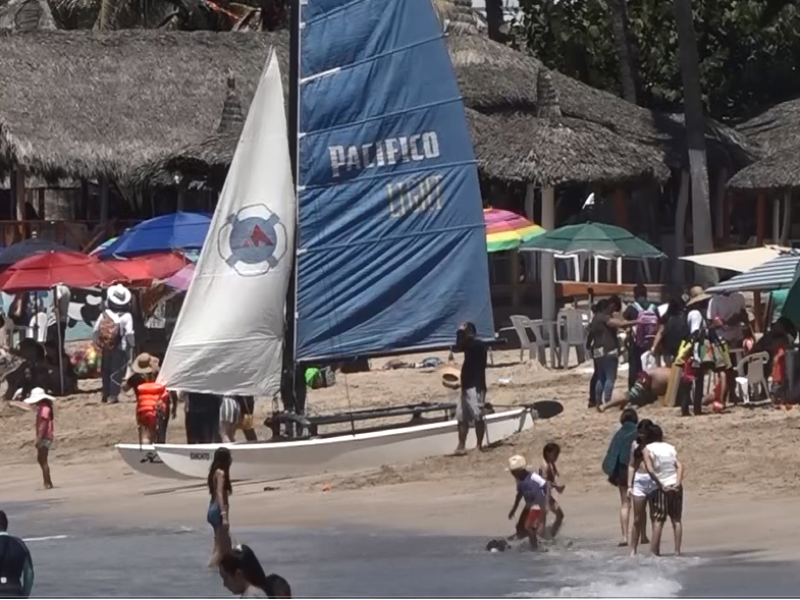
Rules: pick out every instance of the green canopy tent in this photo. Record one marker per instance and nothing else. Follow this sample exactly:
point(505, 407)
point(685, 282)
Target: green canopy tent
point(598, 239)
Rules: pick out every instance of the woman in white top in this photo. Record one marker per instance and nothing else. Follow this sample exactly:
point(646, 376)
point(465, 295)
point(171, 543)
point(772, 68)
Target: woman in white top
point(661, 462)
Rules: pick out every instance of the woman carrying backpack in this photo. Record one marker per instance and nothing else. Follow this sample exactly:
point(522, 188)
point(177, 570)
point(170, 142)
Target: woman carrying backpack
point(113, 336)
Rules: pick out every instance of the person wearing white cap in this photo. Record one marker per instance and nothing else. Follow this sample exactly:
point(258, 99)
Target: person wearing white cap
point(45, 430)
point(114, 337)
point(532, 488)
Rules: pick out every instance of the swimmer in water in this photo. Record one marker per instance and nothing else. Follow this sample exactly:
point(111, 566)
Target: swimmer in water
point(536, 492)
point(549, 472)
point(242, 574)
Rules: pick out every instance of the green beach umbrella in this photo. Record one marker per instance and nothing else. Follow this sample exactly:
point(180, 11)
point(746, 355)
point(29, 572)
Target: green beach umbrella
point(791, 306)
point(596, 238)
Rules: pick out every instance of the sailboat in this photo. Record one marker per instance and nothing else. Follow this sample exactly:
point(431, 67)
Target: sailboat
point(390, 251)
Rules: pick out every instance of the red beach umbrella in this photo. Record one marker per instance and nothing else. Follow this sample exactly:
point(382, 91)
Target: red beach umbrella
point(144, 269)
point(48, 269)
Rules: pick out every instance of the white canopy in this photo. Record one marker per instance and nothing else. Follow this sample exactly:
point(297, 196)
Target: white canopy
point(737, 260)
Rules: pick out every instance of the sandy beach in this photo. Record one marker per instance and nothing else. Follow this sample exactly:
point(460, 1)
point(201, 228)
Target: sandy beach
point(742, 468)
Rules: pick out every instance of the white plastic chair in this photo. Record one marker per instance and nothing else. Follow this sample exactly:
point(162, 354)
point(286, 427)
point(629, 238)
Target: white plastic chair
point(521, 325)
point(571, 332)
point(750, 376)
point(539, 342)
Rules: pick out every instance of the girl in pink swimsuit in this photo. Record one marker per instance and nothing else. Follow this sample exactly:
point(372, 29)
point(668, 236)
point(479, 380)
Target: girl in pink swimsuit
point(45, 430)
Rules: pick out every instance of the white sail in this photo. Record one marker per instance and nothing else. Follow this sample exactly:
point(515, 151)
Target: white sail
point(229, 335)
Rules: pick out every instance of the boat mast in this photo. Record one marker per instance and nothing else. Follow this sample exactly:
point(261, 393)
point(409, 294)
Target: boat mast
point(289, 385)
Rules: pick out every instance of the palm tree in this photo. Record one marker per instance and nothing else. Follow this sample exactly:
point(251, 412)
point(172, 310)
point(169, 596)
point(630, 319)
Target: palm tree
point(624, 49)
point(695, 135)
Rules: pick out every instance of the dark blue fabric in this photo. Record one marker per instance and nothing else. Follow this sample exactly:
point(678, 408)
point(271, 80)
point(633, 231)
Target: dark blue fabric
point(176, 231)
point(214, 515)
point(391, 237)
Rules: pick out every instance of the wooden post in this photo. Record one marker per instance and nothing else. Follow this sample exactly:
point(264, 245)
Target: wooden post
point(776, 219)
point(548, 271)
point(680, 228)
point(181, 195)
point(761, 225)
point(719, 203)
point(547, 260)
point(19, 174)
point(103, 201)
point(515, 287)
point(786, 228)
point(726, 220)
point(620, 208)
point(40, 203)
point(85, 200)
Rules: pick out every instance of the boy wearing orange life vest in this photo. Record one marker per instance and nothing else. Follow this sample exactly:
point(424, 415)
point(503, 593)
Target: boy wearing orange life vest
point(151, 397)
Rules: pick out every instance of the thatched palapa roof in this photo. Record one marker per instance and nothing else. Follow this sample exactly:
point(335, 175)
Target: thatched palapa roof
point(91, 104)
point(778, 171)
point(207, 160)
point(495, 78)
point(551, 149)
point(26, 15)
point(776, 134)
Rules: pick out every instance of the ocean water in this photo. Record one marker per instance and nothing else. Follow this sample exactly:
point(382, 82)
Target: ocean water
point(77, 557)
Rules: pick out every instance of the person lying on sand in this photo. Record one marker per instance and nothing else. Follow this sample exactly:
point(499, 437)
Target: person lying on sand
point(533, 488)
point(649, 386)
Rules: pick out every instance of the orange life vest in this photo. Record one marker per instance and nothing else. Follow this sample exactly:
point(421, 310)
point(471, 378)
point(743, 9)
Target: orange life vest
point(148, 397)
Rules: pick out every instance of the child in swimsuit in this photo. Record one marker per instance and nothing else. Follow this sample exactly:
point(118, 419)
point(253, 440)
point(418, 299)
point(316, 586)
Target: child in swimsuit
point(536, 492)
point(549, 472)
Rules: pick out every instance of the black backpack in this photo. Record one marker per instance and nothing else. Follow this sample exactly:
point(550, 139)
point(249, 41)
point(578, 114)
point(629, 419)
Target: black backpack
point(676, 329)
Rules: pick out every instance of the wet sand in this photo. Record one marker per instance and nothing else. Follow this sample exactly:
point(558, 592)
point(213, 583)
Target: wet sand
point(742, 469)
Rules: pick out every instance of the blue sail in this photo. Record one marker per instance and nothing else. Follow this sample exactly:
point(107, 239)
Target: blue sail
point(391, 251)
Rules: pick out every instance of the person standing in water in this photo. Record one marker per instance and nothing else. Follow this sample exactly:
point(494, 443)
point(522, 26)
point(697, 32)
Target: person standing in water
point(661, 462)
point(640, 486)
point(220, 490)
point(45, 430)
point(549, 472)
point(242, 574)
point(473, 387)
point(16, 566)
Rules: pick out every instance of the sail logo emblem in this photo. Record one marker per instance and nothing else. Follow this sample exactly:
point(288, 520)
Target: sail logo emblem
point(252, 241)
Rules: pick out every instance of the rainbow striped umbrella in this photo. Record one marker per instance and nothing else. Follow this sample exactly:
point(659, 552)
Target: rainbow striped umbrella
point(506, 230)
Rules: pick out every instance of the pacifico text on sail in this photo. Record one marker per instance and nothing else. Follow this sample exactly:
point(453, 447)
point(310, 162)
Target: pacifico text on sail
point(410, 195)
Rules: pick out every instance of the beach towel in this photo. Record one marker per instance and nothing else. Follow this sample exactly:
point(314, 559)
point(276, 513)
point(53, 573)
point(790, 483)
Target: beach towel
point(619, 449)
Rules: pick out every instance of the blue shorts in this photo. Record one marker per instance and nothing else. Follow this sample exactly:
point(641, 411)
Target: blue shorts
point(214, 515)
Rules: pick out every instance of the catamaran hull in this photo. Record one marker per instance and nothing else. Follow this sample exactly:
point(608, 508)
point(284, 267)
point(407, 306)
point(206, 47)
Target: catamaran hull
point(280, 460)
point(144, 459)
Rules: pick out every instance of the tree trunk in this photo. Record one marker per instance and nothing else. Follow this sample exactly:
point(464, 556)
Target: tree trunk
point(695, 137)
point(624, 49)
point(495, 20)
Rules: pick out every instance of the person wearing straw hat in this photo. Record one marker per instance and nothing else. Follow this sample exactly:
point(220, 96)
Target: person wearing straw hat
point(45, 430)
point(534, 489)
point(151, 397)
point(114, 337)
point(705, 353)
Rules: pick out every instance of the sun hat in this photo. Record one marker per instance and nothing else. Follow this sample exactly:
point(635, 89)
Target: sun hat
point(118, 294)
point(697, 294)
point(451, 377)
point(145, 364)
point(517, 463)
point(37, 395)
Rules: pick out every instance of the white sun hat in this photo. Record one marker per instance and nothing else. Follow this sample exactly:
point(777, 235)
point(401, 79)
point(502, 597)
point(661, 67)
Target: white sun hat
point(37, 395)
point(517, 463)
point(118, 294)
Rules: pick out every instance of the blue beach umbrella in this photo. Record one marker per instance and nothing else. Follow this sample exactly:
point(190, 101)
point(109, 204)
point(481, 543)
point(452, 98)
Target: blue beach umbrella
point(177, 231)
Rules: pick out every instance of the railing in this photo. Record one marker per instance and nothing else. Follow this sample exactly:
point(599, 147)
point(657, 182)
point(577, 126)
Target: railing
point(75, 234)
